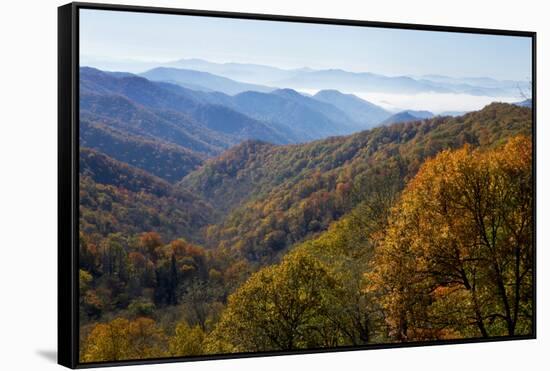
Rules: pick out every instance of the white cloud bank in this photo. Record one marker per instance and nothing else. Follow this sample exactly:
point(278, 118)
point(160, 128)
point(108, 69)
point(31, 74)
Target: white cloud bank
point(433, 102)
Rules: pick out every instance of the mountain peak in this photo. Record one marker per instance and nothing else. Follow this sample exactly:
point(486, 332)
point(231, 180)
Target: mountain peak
point(406, 116)
point(329, 92)
point(287, 92)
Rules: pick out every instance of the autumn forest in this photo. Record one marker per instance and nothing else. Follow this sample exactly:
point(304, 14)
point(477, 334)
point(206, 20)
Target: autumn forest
point(415, 231)
point(234, 208)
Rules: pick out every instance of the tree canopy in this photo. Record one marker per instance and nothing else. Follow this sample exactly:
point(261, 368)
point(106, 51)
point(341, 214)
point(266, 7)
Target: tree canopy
point(456, 259)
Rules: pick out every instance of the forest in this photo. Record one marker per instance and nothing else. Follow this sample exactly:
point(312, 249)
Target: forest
point(413, 231)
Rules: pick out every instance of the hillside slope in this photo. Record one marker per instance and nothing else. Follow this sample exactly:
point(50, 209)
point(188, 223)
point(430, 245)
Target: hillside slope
point(118, 198)
point(110, 95)
point(274, 196)
point(165, 160)
point(365, 113)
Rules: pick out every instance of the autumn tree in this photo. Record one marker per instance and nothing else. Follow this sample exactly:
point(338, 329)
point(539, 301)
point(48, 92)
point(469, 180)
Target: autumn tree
point(121, 339)
point(88, 258)
point(90, 304)
point(457, 256)
point(141, 273)
point(281, 307)
point(187, 341)
point(149, 242)
point(347, 248)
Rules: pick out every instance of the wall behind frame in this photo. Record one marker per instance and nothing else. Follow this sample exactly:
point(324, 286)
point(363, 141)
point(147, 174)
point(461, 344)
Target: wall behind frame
point(28, 155)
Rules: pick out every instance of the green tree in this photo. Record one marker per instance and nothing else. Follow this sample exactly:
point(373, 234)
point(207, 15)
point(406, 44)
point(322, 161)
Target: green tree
point(281, 307)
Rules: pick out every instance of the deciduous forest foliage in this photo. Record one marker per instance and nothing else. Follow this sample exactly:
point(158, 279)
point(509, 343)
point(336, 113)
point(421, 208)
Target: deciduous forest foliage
point(409, 232)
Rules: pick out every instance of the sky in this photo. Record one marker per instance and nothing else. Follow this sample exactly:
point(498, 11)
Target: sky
point(129, 36)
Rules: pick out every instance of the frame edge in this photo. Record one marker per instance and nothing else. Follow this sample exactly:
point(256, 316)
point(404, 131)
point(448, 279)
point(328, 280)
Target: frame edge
point(67, 350)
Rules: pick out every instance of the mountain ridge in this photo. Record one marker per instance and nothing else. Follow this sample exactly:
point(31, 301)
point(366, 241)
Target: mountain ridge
point(365, 112)
point(199, 80)
point(168, 161)
point(172, 107)
point(254, 73)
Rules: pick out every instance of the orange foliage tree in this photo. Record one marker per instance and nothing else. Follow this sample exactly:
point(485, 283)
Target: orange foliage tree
point(456, 259)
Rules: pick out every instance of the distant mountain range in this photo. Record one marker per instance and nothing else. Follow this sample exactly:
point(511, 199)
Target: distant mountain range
point(300, 117)
point(245, 72)
point(308, 78)
point(346, 110)
point(169, 112)
point(360, 82)
point(204, 121)
point(486, 82)
point(204, 81)
point(315, 79)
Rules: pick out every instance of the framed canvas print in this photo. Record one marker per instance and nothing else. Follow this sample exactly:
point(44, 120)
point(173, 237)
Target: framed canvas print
point(235, 185)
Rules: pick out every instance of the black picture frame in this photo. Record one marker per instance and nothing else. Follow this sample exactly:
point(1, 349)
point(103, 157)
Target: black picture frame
point(68, 170)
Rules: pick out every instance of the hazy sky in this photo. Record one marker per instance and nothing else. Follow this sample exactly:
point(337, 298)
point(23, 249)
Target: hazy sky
point(160, 37)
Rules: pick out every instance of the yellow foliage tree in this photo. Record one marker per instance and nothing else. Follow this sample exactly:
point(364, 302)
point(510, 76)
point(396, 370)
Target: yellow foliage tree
point(280, 307)
point(187, 341)
point(121, 339)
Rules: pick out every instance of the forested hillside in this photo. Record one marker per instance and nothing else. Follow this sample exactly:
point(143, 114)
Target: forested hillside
point(332, 232)
point(448, 260)
point(165, 160)
point(118, 198)
point(276, 196)
point(212, 223)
